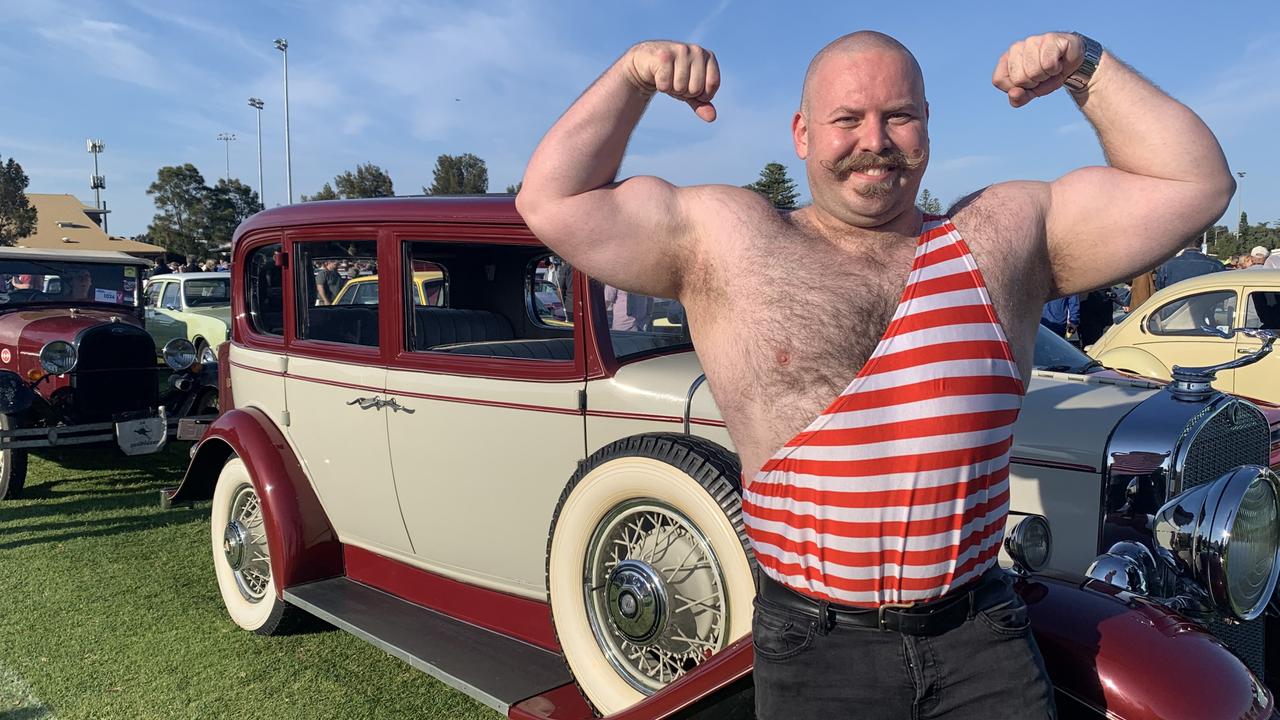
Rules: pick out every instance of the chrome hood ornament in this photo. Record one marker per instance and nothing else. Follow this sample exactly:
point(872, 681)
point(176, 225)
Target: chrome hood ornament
point(1193, 383)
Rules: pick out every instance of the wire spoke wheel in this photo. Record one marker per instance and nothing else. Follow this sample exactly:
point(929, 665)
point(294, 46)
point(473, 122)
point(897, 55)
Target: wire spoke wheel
point(655, 594)
point(242, 555)
point(244, 545)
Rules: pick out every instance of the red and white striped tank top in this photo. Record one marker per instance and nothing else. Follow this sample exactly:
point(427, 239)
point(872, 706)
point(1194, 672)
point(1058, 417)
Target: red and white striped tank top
point(899, 490)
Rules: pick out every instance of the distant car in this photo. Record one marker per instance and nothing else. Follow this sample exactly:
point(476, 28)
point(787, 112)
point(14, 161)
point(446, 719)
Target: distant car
point(1189, 324)
point(428, 289)
point(76, 366)
point(194, 306)
point(517, 503)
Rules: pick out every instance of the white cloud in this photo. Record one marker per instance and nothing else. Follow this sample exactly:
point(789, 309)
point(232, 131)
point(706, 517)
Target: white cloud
point(110, 48)
point(704, 26)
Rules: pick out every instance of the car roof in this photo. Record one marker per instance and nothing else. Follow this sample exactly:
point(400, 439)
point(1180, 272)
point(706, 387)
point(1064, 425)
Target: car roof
point(469, 209)
point(103, 257)
point(1228, 277)
point(193, 275)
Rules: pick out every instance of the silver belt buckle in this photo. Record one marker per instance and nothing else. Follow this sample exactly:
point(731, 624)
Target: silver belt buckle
point(896, 606)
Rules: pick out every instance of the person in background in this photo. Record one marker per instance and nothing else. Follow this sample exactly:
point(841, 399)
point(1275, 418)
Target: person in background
point(1256, 258)
point(1097, 310)
point(328, 282)
point(191, 265)
point(1141, 288)
point(1188, 263)
point(1061, 315)
point(1273, 260)
point(628, 311)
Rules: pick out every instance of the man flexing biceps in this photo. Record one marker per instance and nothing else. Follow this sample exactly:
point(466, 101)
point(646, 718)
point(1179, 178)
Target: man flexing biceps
point(869, 360)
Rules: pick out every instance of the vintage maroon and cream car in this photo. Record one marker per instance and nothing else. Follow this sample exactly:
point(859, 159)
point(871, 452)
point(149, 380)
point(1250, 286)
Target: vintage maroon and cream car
point(541, 506)
point(76, 366)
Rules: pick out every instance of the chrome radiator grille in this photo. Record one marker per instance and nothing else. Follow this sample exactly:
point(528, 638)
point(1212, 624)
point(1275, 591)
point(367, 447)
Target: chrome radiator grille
point(1236, 434)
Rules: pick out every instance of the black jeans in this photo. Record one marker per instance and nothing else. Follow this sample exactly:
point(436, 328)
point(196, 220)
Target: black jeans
point(988, 667)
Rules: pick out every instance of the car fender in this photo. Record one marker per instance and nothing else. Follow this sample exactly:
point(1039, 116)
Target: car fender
point(304, 546)
point(1131, 659)
point(1134, 360)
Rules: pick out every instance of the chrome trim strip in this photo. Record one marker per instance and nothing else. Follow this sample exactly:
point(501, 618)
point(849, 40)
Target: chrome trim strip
point(688, 399)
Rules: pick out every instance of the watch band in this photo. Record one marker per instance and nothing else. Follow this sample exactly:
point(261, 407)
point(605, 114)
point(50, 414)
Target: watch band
point(1079, 79)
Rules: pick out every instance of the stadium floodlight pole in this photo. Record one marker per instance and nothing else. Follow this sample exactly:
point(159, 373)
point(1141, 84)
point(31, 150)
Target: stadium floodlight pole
point(227, 138)
point(256, 104)
point(283, 46)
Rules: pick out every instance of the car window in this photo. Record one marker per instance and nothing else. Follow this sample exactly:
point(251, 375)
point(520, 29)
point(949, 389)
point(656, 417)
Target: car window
point(480, 301)
point(1263, 311)
point(264, 290)
point(1054, 353)
point(170, 298)
point(59, 281)
point(207, 291)
point(642, 324)
point(1192, 314)
point(153, 294)
point(324, 267)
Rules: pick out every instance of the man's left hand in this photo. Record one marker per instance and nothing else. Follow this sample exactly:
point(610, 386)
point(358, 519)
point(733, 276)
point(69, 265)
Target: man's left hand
point(1037, 66)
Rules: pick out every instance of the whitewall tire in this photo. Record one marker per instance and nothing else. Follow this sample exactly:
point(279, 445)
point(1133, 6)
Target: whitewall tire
point(649, 572)
point(241, 556)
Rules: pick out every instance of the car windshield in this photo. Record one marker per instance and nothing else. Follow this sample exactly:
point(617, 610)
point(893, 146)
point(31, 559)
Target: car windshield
point(54, 281)
point(207, 291)
point(1055, 354)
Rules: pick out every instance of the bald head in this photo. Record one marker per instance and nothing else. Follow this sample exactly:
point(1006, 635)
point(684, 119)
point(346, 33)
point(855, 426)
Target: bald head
point(862, 41)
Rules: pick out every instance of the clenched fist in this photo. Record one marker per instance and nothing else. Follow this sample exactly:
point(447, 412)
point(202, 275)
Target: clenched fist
point(685, 72)
point(1037, 66)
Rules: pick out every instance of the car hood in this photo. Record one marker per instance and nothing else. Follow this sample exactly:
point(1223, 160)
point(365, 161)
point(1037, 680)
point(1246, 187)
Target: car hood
point(24, 332)
point(220, 312)
point(1065, 420)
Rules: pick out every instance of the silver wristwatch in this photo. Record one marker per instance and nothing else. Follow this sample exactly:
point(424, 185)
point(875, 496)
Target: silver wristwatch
point(1079, 79)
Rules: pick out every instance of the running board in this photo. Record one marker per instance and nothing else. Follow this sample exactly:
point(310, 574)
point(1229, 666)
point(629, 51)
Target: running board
point(492, 668)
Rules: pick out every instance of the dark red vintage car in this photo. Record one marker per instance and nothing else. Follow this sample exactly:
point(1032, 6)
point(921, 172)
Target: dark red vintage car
point(532, 495)
point(76, 366)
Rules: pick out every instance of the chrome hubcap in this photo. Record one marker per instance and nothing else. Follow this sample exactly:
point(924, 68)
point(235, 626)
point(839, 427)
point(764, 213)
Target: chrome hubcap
point(655, 594)
point(244, 545)
point(637, 602)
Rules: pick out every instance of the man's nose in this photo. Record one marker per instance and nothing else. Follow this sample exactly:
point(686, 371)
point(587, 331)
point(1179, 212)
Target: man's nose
point(874, 137)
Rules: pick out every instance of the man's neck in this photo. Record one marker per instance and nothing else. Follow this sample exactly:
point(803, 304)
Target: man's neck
point(905, 225)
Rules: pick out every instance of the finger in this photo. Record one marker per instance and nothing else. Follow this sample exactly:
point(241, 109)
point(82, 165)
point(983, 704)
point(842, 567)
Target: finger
point(712, 83)
point(663, 67)
point(1000, 76)
point(680, 72)
point(1051, 57)
point(1016, 74)
point(1019, 97)
point(704, 110)
point(1031, 62)
point(697, 74)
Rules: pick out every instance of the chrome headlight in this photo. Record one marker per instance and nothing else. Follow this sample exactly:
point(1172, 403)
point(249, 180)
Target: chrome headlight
point(1129, 566)
point(58, 357)
point(1030, 544)
point(1226, 536)
point(179, 354)
point(208, 356)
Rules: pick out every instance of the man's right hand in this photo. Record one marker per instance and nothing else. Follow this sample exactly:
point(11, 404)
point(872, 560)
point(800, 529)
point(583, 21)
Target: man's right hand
point(685, 72)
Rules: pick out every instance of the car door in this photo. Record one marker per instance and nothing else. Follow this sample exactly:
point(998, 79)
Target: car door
point(162, 320)
point(1176, 334)
point(1262, 311)
point(334, 391)
point(487, 428)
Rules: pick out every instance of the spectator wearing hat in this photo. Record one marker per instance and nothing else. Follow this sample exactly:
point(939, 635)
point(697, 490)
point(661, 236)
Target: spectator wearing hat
point(1188, 263)
point(1257, 258)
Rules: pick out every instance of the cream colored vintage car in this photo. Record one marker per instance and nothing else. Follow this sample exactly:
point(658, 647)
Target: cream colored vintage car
point(1187, 323)
point(545, 513)
point(191, 306)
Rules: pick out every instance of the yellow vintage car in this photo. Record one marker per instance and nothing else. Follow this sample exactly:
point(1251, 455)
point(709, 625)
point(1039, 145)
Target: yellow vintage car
point(1190, 323)
point(428, 289)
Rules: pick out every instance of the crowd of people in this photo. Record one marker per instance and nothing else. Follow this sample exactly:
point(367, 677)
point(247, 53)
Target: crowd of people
point(192, 265)
point(1083, 318)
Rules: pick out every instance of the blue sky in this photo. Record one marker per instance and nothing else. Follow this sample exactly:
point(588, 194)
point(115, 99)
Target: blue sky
point(398, 83)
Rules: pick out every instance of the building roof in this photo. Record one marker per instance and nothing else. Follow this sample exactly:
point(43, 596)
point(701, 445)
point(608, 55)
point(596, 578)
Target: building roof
point(104, 257)
point(63, 223)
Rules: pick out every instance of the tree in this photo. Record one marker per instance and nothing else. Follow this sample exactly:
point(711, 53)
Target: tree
point(180, 224)
point(463, 174)
point(514, 189)
point(929, 203)
point(774, 184)
point(228, 204)
point(325, 193)
point(1242, 231)
point(17, 216)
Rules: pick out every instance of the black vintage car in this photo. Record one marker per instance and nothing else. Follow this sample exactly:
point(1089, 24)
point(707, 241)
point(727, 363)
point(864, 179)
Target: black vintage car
point(77, 367)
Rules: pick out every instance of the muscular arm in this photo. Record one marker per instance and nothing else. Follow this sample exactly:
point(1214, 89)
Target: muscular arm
point(638, 234)
point(1166, 178)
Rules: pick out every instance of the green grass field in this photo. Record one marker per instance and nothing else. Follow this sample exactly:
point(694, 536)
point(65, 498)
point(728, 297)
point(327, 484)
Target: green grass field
point(108, 609)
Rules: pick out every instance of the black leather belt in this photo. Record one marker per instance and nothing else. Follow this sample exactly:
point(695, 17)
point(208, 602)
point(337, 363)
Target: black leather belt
point(929, 618)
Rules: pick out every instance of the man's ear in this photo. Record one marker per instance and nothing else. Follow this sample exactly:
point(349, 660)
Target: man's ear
point(800, 135)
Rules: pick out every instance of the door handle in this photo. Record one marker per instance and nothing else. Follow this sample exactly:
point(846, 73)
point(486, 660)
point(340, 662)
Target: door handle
point(372, 403)
point(397, 406)
point(1247, 351)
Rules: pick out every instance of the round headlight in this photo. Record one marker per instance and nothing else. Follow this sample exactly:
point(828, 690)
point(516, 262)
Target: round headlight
point(1226, 536)
point(208, 356)
point(58, 357)
point(1030, 543)
point(179, 354)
